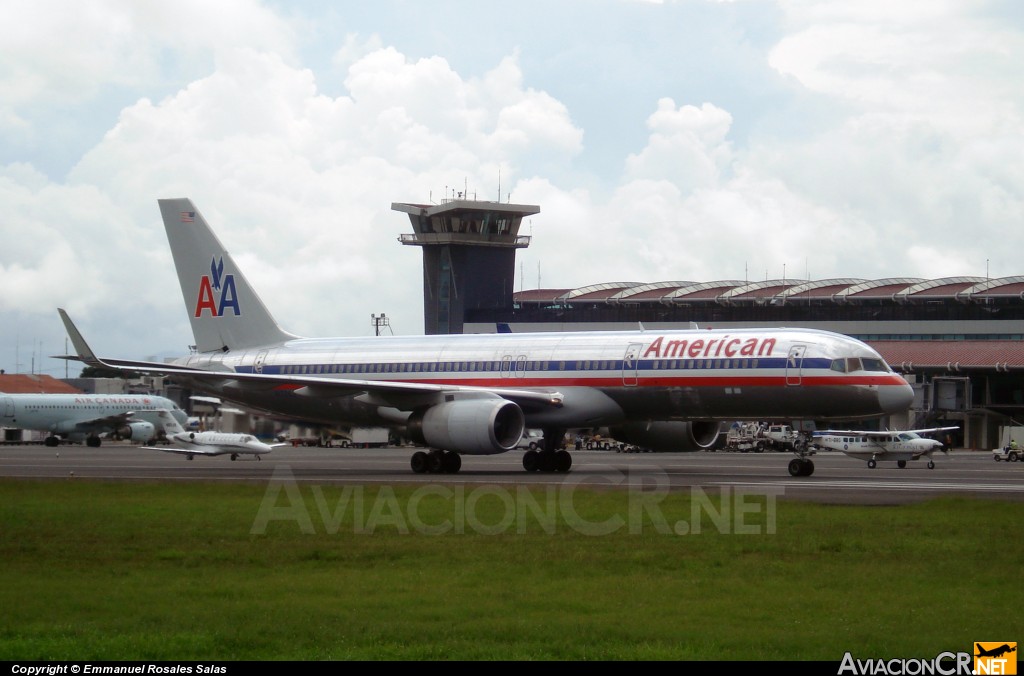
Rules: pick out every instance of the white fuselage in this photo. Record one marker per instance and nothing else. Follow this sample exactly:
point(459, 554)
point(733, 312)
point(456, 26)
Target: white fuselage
point(897, 446)
point(219, 443)
point(603, 377)
point(79, 415)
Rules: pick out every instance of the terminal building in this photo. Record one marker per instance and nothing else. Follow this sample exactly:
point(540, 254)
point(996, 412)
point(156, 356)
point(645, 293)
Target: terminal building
point(958, 340)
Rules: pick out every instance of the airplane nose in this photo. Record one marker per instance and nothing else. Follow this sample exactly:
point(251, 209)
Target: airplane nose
point(895, 398)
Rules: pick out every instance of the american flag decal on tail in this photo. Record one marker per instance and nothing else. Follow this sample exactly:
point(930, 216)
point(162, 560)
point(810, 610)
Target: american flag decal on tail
point(188, 216)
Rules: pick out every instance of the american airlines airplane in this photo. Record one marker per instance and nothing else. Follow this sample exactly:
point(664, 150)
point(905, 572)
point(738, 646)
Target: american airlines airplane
point(84, 417)
point(476, 394)
point(191, 444)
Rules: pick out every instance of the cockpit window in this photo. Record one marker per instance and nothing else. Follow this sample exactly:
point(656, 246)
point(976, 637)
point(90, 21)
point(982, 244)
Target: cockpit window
point(839, 365)
point(875, 365)
point(853, 364)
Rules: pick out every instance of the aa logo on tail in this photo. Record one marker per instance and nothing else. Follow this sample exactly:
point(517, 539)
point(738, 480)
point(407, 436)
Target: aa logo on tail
point(217, 292)
point(995, 658)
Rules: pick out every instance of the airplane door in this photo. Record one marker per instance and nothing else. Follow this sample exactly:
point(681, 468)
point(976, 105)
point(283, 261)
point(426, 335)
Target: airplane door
point(506, 366)
point(8, 407)
point(631, 364)
point(257, 364)
point(795, 365)
point(521, 366)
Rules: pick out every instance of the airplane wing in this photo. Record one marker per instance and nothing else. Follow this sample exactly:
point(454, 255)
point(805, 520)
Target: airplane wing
point(931, 430)
point(180, 451)
point(867, 434)
point(109, 421)
point(400, 395)
point(880, 433)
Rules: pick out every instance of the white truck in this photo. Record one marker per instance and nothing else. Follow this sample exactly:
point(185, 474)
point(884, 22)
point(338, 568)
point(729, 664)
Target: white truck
point(367, 437)
point(781, 438)
point(752, 436)
point(532, 440)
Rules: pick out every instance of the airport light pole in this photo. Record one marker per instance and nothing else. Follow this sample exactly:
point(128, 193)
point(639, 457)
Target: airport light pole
point(378, 322)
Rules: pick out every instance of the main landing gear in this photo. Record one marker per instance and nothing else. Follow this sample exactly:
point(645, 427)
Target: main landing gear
point(802, 465)
point(436, 462)
point(547, 461)
point(552, 457)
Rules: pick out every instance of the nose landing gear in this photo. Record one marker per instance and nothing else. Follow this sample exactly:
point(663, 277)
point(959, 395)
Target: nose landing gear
point(801, 465)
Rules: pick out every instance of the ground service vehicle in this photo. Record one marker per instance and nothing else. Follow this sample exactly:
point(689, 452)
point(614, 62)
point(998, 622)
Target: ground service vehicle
point(1007, 453)
point(367, 437)
point(757, 437)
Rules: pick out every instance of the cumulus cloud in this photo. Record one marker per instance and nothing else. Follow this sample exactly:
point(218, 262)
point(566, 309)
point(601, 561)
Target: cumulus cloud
point(687, 146)
point(896, 131)
point(63, 52)
point(297, 182)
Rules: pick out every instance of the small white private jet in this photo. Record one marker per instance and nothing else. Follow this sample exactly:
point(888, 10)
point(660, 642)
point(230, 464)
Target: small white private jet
point(191, 444)
point(889, 445)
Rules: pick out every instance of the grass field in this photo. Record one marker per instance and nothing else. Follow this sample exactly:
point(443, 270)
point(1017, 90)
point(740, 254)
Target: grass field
point(154, 571)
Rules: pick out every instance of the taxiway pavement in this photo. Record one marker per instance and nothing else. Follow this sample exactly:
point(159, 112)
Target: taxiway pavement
point(837, 479)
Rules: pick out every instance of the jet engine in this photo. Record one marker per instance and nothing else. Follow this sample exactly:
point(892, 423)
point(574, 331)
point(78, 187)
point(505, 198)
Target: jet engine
point(140, 431)
point(669, 435)
point(472, 426)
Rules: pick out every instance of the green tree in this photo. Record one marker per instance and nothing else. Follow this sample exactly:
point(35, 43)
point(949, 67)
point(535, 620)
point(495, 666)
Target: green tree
point(104, 372)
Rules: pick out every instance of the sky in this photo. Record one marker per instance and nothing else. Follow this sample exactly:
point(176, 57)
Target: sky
point(680, 140)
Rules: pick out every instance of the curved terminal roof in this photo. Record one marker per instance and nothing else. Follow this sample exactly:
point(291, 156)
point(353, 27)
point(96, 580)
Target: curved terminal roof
point(1005, 287)
point(597, 292)
point(647, 292)
point(702, 292)
point(949, 287)
point(839, 290)
point(823, 288)
point(879, 289)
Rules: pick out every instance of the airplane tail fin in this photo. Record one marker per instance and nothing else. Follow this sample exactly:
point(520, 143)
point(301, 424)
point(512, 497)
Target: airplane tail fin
point(168, 424)
point(225, 312)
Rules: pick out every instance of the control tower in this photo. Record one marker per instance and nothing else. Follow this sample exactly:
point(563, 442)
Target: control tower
point(469, 256)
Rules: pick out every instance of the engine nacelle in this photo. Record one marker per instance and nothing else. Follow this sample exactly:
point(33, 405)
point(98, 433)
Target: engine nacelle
point(138, 431)
point(670, 435)
point(470, 426)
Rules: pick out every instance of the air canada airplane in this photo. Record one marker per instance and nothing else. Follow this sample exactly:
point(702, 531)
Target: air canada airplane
point(191, 444)
point(84, 417)
point(890, 445)
point(475, 394)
